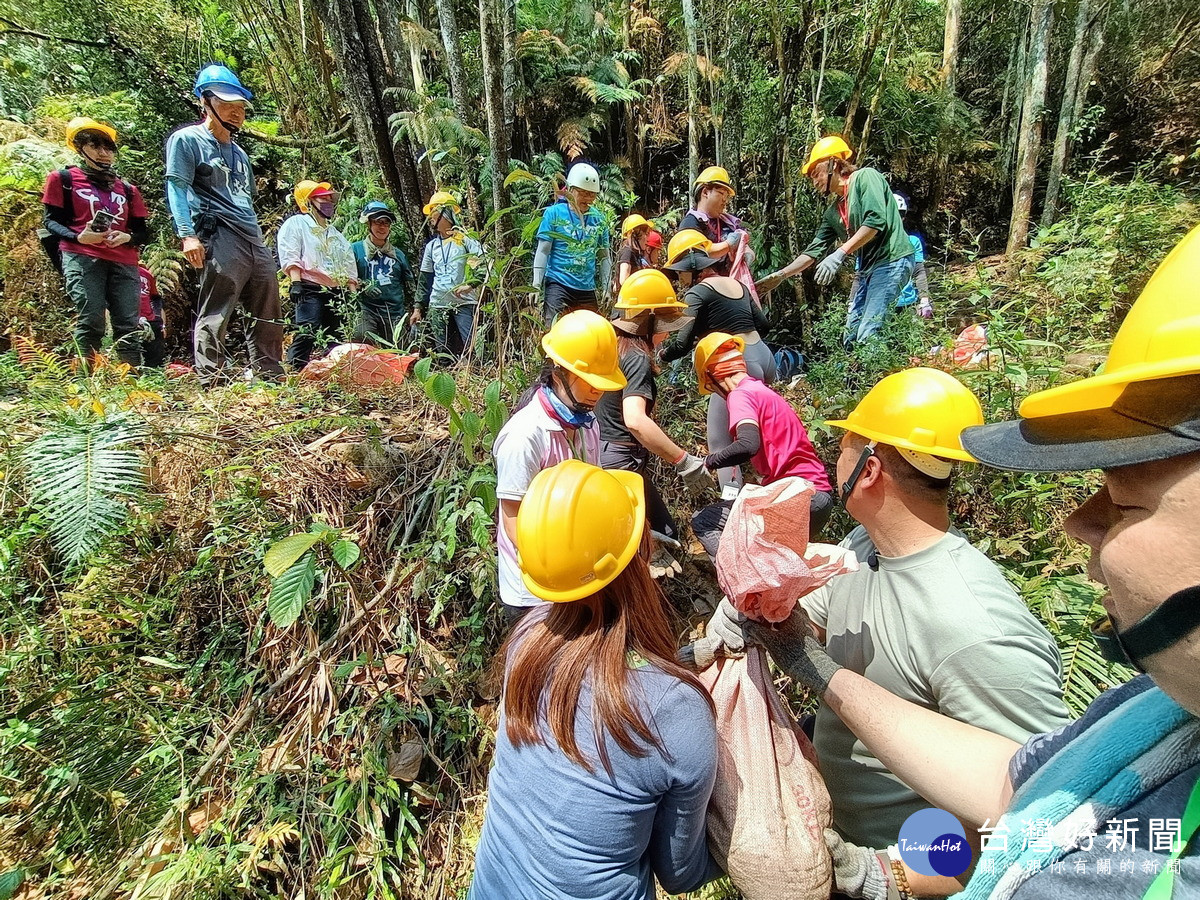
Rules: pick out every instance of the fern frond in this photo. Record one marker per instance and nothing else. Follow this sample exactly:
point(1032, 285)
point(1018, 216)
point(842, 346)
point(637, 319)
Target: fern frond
point(40, 363)
point(81, 476)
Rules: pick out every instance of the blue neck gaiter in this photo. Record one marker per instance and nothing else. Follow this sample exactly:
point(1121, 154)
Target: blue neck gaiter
point(564, 413)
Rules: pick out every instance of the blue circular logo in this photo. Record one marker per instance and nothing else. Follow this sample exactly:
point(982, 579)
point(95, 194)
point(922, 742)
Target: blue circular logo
point(933, 842)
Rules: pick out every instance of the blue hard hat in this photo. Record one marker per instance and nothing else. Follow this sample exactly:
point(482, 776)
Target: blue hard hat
point(375, 208)
point(222, 83)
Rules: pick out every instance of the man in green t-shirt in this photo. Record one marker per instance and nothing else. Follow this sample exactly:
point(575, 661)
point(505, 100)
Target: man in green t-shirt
point(863, 221)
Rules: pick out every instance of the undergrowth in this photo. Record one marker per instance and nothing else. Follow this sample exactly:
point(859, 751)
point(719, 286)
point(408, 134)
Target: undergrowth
point(247, 655)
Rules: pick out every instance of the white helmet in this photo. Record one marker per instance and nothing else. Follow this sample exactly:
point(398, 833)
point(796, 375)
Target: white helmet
point(901, 201)
point(585, 177)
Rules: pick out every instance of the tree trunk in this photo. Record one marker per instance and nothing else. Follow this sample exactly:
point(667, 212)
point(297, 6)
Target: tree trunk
point(689, 26)
point(874, 108)
point(454, 63)
point(414, 50)
point(493, 91)
point(864, 66)
point(950, 43)
point(1020, 78)
point(508, 43)
point(1066, 112)
point(1087, 72)
point(1033, 116)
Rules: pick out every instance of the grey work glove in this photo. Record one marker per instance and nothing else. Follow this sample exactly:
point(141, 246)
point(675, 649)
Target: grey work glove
point(857, 871)
point(722, 635)
point(925, 309)
point(795, 650)
point(827, 268)
point(734, 238)
point(695, 476)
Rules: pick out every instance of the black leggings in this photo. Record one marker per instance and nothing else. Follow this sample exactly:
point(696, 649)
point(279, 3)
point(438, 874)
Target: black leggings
point(635, 458)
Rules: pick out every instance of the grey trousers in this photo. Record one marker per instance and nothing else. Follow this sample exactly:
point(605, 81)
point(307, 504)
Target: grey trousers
point(760, 364)
point(237, 272)
point(99, 286)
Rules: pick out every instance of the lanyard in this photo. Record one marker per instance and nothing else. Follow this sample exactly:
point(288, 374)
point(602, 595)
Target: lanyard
point(1162, 886)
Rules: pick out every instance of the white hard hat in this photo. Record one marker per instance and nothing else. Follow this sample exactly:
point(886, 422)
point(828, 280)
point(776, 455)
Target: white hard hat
point(901, 201)
point(585, 177)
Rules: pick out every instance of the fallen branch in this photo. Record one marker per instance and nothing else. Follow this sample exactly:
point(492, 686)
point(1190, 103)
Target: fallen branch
point(297, 143)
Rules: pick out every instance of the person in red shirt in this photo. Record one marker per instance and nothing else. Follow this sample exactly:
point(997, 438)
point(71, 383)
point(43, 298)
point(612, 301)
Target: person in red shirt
point(767, 434)
point(150, 319)
point(100, 221)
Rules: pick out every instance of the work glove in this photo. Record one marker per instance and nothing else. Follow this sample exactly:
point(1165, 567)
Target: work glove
point(795, 650)
point(925, 308)
point(722, 635)
point(827, 268)
point(295, 291)
point(144, 326)
point(691, 469)
point(734, 239)
point(857, 871)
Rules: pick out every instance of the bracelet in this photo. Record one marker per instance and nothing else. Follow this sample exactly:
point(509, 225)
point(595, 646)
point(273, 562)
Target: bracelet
point(898, 872)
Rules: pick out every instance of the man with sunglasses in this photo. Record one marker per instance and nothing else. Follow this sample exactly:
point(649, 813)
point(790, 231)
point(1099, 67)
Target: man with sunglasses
point(927, 616)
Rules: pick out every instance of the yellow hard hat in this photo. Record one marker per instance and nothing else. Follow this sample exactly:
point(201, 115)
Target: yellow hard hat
point(647, 289)
point(306, 189)
point(829, 147)
point(923, 411)
point(707, 350)
point(585, 343)
point(715, 175)
point(683, 241)
point(567, 550)
point(83, 123)
point(1160, 338)
point(634, 221)
point(438, 200)
point(1145, 406)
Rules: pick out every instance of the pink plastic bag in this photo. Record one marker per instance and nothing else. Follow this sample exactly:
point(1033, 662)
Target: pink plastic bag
point(769, 807)
point(359, 364)
point(765, 563)
point(739, 269)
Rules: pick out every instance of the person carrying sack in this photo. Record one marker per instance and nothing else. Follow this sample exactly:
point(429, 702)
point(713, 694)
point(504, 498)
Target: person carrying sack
point(95, 223)
point(210, 190)
point(606, 749)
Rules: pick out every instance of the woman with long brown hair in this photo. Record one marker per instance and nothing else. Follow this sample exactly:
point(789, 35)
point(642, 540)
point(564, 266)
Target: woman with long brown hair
point(606, 748)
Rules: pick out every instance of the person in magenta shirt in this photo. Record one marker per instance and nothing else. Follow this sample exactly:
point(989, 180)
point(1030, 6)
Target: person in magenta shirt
point(150, 320)
point(766, 433)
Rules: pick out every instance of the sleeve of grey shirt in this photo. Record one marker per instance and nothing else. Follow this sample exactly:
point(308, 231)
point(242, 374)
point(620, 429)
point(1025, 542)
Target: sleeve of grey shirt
point(678, 846)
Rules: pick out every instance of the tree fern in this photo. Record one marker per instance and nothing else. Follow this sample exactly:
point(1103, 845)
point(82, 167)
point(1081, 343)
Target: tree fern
point(81, 476)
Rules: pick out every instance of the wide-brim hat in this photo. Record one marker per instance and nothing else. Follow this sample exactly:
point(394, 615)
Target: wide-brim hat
point(667, 322)
point(1151, 420)
point(693, 261)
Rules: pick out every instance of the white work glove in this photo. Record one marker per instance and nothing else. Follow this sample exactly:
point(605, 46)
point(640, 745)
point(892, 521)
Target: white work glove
point(145, 328)
point(925, 308)
point(722, 635)
point(857, 871)
point(695, 476)
point(827, 268)
point(768, 283)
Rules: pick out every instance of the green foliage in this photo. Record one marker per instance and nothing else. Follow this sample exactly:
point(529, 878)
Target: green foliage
point(82, 476)
point(292, 565)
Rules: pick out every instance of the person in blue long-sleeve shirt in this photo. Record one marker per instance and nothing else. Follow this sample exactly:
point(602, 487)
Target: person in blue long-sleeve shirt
point(606, 750)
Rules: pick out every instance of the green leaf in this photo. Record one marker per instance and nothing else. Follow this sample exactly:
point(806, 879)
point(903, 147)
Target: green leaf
point(291, 590)
point(471, 424)
point(9, 882)
point(491, 393)
point(519, 175)
point(494, 417)
point(281, 555)
point(346, 553)
point(421, 369)
point(441, 389)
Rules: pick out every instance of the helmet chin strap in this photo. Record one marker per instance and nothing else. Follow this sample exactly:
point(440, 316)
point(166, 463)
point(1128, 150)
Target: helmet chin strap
point(1173, 620)
point(576, 406)
point(98, 166)
point(231, 128)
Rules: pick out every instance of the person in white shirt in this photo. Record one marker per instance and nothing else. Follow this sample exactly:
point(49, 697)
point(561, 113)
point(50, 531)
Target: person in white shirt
point(320, 266)
point(449, 277)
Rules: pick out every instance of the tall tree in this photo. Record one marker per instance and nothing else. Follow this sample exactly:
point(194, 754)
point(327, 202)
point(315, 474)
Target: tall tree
point(693, 91)
point(1033, 115)
point(454, 61)
point(1066, 112)
point(493, 92)
point(950, 43)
